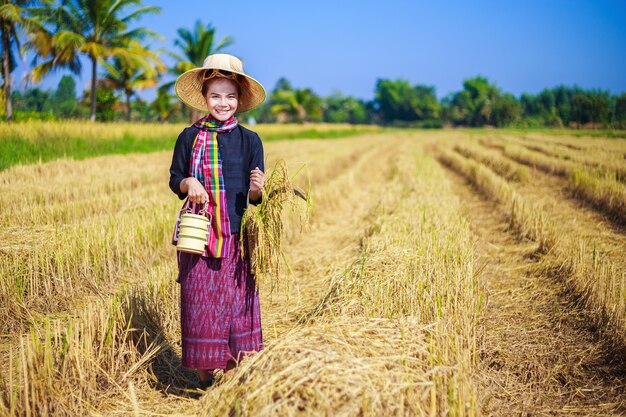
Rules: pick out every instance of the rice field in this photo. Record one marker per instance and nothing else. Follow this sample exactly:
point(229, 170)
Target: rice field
point(383, 304)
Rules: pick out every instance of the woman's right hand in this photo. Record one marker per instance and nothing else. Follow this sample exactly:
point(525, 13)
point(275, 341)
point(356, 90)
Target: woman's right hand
point(194, 189)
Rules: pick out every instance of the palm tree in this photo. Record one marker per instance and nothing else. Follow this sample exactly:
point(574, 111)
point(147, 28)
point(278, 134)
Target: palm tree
point(195, 47)
point(162, 104)
point(136, 71)
point(91, 27)
point(13, 14)
point(300, 104)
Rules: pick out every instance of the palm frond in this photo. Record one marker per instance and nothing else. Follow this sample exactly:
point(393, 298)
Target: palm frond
point(139, 12)
point(185, 39)
point(10, 13)
point(40, 71)
point(139, 33)
point(113, 71)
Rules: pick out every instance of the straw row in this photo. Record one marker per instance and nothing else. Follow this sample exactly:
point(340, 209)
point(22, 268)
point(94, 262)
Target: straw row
point(586, 271)
point(603, 190)
point(494, 160)
point(525, 219)
point(602, 160)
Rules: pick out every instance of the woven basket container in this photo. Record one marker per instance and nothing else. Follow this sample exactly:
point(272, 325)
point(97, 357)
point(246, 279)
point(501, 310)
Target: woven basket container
point(192, 233)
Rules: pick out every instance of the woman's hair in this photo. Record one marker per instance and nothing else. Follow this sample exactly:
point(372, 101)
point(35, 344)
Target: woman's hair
point(241, 82)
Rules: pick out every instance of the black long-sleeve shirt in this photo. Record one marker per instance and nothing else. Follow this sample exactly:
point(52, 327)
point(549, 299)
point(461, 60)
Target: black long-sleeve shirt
point(241, 151)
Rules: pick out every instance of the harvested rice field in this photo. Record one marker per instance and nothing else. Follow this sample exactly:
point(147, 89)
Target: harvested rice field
point(440, 273)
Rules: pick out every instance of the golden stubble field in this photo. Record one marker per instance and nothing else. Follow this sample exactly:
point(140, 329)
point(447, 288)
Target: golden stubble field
point(386, 303)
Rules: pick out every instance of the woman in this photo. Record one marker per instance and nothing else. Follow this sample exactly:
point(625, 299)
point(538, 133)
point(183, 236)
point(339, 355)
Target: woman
point(218, 163)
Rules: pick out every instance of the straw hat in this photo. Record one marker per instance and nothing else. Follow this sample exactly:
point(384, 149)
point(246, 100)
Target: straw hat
point(189, 84)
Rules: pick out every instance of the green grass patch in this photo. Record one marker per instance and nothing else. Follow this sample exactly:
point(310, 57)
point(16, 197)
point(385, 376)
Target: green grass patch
point(17, 151)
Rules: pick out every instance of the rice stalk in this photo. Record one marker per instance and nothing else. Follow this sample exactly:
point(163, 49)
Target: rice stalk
point(262, 227)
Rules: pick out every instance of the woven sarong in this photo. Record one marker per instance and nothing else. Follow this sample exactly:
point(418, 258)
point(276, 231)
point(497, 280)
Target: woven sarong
point(220, 312)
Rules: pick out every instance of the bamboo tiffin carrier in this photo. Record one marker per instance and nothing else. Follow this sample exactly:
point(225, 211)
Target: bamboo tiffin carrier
point(192, 232)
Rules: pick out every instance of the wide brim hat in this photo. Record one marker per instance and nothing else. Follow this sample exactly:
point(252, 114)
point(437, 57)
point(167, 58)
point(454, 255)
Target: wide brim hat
point(189, 85)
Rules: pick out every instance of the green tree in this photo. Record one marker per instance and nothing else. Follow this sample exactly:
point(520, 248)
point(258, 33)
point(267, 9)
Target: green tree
point(96, 28)
point(400, 101)
point(261, 114)
point(619, 114)
point(144, 110)
point(33, 100)
point(548, 109)
point(591, 107)
point(66, 90)
point(506, 110)
point(335, 109)
point(530, 110)
point(425, 103)
point(447, 111)
point(475, 101)
point(162, 104)
point(194, 47)
point(473, 105)
point(562, 100)
point(295, 105)
point(342, 109)
point(14, 15)
point(580, 108)
point(130, 73)
point(106, 101)
point(551, 107)
point(283, 84)
point(394, 100)
point(64, 98)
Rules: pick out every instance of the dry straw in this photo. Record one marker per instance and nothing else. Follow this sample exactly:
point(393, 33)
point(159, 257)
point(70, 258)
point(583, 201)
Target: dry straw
point(262, 226)
point(352, 367)
point(381, 320)
point(393, 334)
point(592, 278)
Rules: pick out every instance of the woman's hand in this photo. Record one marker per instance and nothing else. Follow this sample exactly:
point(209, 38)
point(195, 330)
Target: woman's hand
point(257, 182)
point(194, 189)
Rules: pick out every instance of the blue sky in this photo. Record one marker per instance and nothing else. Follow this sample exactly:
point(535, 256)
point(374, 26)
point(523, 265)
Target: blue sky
point(330, 46)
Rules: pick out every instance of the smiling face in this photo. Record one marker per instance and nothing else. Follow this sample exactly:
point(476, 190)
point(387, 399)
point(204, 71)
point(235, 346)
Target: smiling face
point(222, 98)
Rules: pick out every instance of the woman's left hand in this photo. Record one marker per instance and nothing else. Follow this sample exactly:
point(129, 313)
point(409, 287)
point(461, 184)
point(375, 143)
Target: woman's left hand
point(257, 182)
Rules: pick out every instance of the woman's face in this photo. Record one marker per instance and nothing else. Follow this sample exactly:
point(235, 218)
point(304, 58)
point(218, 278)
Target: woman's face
point(222, 98)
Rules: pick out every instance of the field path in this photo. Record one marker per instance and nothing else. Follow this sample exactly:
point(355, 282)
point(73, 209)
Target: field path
point(342, 202)
point(538, 354)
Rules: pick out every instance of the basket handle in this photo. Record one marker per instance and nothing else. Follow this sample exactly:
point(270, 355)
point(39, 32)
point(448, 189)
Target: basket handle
point(190, 207)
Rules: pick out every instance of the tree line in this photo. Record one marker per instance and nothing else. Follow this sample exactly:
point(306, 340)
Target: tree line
point(479, 103)
point(395, 103)
point(60, 32)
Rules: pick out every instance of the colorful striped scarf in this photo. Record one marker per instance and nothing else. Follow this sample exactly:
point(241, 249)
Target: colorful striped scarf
point(206, 166)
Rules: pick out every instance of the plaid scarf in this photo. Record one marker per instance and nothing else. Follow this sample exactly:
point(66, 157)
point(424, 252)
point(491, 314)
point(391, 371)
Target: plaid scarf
point(206, 166)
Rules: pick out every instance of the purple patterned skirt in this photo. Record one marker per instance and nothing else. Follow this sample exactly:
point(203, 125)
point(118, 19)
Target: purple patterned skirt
point(219, 309)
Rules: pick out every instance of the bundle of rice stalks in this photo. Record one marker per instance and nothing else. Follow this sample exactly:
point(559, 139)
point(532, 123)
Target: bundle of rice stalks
point(262, 226)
